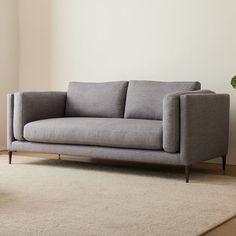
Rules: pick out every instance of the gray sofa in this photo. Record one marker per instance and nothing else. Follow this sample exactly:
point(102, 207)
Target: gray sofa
point(143, 121)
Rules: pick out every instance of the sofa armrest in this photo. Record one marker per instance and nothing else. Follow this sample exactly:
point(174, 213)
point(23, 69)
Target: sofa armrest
point(10, 109)
point(171, 119)
point(204, 127)
point(31, 106)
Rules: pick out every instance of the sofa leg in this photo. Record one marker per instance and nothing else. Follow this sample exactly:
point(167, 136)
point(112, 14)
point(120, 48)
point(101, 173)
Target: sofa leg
point(223, 164)
point(10, 156)
point(59, 156)
point(187, 173)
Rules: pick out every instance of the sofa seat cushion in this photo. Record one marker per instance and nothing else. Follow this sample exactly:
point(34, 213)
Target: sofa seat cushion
point(111, 132)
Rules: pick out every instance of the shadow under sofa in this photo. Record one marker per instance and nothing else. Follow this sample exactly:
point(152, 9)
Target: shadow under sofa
point(172, 123)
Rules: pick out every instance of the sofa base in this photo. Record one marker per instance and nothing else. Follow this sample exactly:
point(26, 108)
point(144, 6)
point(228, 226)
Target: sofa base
point(119, 154)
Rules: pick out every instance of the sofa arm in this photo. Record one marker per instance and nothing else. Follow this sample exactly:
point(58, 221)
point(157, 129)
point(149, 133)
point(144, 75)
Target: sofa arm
point(204, 127)
point(171, 119)
point(31, 106)
point(10, 109)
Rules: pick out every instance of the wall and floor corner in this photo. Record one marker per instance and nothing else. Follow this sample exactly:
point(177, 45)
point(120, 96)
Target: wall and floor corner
point(8, 59)
point(89, 40)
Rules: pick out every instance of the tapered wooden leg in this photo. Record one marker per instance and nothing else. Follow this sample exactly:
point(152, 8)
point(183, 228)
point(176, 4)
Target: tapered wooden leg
point(223, 164)
point(59, 156)
point(10, 156)
point(187, 173)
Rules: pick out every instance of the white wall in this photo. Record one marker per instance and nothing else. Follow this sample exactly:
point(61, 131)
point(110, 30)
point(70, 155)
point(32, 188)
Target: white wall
point(8, 59)
point(34, 44)
point(91, 40)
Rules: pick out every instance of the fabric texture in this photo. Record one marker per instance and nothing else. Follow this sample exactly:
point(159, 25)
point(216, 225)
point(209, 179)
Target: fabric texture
point(109, 153)
point(204, 127)
point(31, 106)
point(171, 119)
point(96, 99)
point(145, 98)
point(115, 132)
point(203, 117)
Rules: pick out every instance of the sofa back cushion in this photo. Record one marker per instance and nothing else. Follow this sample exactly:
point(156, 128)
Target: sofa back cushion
point(96, 99)
point(145, 98)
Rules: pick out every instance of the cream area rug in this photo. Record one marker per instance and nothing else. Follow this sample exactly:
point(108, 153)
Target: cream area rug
point(57, 197)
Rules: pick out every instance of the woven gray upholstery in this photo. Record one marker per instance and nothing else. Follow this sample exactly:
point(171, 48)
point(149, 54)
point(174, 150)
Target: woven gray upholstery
point(113, 132)
point(145, 98)
point(195, 125)
point(204, 127)
point(171, 119)
point(96, 99)
point(119, 154)
point(31, 106)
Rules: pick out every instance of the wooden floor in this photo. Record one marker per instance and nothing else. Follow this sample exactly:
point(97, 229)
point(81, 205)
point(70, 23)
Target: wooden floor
point(227, 228)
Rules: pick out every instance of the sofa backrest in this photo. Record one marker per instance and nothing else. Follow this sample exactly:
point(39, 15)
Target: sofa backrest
point(96, 99)
point(145, 98)
point(134, 99)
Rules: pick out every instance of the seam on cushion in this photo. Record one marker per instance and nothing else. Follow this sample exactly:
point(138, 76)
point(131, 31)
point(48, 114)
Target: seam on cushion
point(125, 98)
point(65, 105)
point(177, 142)
point(127, 90)
point(176, 107)
point(174, 128)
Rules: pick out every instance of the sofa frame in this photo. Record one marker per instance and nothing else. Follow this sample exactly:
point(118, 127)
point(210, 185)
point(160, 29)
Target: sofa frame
point(204, 130)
